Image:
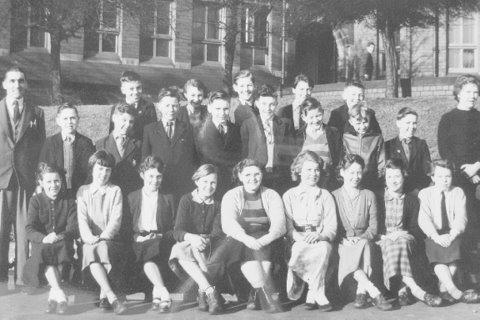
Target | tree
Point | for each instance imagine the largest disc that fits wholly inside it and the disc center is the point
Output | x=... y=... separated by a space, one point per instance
x=387 y=16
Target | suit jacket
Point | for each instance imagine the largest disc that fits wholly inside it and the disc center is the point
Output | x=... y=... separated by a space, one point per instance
x=83 y=148
x=19 y=158
x=224 y=152
x=178 y=155
x=287 y=112
x=125 y=174
x=417 y=167
x=283 y=136
x=339 y=120
x=145 y=113
x=367 y=65
x=165 y=214
x=240 y=112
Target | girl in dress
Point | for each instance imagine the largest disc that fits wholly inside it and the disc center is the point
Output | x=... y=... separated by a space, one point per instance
x=197 y=230
x=357 y=210
x=99 y=206
x=51 y=227
x=311 y=226
x=400 y=211
x=252 y=217
x=152 y=214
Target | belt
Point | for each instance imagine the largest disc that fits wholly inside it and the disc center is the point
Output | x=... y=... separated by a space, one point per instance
x=307 y=228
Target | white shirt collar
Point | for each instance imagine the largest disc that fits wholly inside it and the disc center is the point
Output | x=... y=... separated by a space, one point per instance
x=70 y=135
x=196 y=198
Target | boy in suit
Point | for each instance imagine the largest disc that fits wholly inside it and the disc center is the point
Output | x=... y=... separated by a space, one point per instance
x=219 y=140
x=302 y=89
x=69 y=149
x=22 y=128
x=143 y=110
x=353 y=94
x=171 y=140
x=194 y=111
x=125 y=149
x=277 y=136
x=243 y=107
x=412 y=151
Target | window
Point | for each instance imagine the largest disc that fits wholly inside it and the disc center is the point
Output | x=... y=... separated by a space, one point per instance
x=255 y=33
x=206 y=33
x=102 y=35
x=25 y=33
x=462 y=47
x=156 y=30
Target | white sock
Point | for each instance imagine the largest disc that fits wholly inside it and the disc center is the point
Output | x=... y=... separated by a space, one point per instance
x=209 y=290
x=162 y=293
x=111 y=296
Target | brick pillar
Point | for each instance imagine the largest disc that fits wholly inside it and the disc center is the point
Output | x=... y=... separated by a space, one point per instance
x=5 y=28
x=183 y=34
x=129 y=40
x=72 y=49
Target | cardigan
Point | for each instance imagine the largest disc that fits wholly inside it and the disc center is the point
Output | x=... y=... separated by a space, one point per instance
x=46 y=215
x=232 y=206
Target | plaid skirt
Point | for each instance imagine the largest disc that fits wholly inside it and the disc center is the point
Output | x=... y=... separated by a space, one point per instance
x=396 y=258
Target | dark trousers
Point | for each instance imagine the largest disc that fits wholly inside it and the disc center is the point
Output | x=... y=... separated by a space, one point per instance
x=13 y=212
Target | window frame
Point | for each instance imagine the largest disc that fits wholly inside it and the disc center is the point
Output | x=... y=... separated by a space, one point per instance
x=458 y=44
x=249 y=34
x=102 y=30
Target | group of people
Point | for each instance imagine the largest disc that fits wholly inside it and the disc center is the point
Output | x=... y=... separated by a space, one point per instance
x=239 y=190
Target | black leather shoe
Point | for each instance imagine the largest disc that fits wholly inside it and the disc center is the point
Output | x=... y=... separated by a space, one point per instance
x=118 y=307
x=325 y=307
x=202 y=301
x=447 y=297
x=432 y=300
x=404 y=299
x=62 y=307
x=155 y=305
x=267 y=302
x=470 y=296
x=381 y=303
x=164 y=306
x=51 y=306
x=311 y=305
x=104 y=304
x=360 y=301
x=215 y=302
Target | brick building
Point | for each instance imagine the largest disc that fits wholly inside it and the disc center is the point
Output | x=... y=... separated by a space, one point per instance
x=178 y=38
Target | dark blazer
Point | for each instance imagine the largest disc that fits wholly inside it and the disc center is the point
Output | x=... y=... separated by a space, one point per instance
x=284 y=150
x=83 y=148
x=224 y=152
x=287 y=112
x=145 y=113
x=165 y=213
x=411 y=206
x=367 y=65
x=339 y=120
x=178 y=155
x=125 y=174
x=419 y=165
x=335 y=143
x=20 y=158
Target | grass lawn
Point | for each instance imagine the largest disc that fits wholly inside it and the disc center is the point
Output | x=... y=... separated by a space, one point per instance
x=94 y=118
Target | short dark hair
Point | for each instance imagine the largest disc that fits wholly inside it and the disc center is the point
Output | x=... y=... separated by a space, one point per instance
x=242 y=165
x=360 y=111
x=297 y=164
x=102 y=158
x=302 y=77
x=266 y=91
x=173 y=92
x=350 y=159
x=44 y=168
x=405 y=111
x=243 y=74
x=397 y=164
x=122 y=108
x=151 y=162
x=461 y=81
x=370 y=43
x=311 y=104
x=204 y=170
x=129 y=76
x=15 y=69
x=442 y=163
x=218 y=95
x=196 y=84
x=354 y=84
x=65 y=106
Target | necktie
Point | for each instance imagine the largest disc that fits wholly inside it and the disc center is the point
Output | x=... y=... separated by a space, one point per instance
x=268 y=132
x=443 y=209
x=170 y=130
x=16 y=112
x=121 y=144
x=406 y=148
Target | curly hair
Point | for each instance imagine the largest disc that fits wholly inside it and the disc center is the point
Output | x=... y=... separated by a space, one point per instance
x=300 y=159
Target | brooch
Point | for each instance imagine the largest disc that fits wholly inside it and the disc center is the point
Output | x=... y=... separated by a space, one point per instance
x=33 y=123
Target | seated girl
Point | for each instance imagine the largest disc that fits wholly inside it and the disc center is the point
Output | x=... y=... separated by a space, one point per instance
x=442 y=217
x=311 y=226
x=252 y=217
x=197 y=230
x=51 y=227
x=152 y=214
x=99 y=206
x=399 y=223
x=357 y=209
